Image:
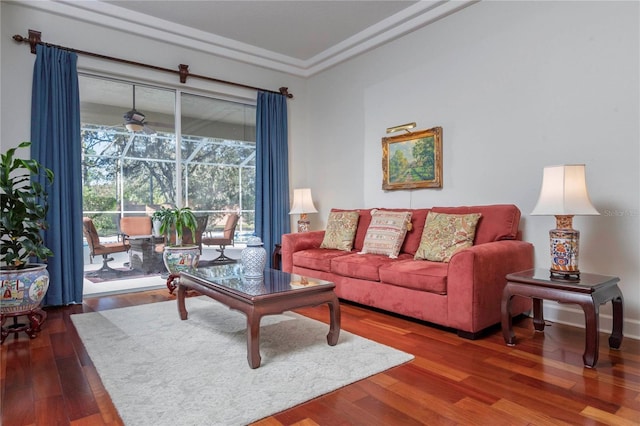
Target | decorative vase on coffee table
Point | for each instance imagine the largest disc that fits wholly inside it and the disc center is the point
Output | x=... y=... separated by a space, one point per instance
x=254 y=258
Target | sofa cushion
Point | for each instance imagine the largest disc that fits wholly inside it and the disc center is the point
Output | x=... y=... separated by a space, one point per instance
x=414 y=232
x=362 y=266
x=416 y=274
x=444 y=234
x=386 y=232
x=363 y=224
x=498 y=222
x=341 y=230
x=316 y=258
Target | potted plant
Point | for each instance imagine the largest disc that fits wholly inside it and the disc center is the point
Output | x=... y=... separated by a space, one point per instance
x=177 y=256
x=24 y=210
x=156 y=220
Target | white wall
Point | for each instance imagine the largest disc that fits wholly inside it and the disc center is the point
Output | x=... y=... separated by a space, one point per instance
x=516 y=86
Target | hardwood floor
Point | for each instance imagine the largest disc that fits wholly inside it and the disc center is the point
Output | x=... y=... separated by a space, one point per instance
x=50 y=380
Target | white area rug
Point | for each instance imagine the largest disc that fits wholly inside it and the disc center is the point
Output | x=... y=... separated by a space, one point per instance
x=160 y=370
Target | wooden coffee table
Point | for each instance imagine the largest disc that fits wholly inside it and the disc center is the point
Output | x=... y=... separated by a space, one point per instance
x=275 y=293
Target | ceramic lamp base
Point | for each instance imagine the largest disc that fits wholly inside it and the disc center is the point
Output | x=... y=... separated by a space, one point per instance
x=303 y=223
x=564 y=245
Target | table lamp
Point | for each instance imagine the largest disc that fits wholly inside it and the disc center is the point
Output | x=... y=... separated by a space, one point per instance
x=303 y=204
x=563 y=195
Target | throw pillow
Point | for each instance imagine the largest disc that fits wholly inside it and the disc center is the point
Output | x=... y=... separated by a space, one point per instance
x=444 y=234
x=341 y=230
x=386 y=232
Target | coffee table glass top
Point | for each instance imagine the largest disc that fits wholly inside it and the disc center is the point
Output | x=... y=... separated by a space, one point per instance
x=231 y=276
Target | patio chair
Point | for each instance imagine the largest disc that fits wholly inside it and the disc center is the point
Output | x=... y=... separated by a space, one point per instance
x=135 y=225
x=226 y=239
x=96 y=248
x=201 y=221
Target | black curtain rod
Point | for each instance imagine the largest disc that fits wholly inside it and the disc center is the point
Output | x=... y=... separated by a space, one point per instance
x=183 y=70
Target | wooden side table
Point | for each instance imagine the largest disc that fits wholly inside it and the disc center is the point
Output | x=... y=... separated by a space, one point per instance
x=276 y=257
x=590 y=291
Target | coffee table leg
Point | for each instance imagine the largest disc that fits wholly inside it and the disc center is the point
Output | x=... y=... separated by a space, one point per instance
x=334 y=327
x=182 y=310
x=253 y=340
x=538 y=317
x=615 y=340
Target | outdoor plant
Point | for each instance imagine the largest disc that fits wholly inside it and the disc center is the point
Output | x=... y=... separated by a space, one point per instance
x=160 y=214
x=178 y=219
x=24 y=210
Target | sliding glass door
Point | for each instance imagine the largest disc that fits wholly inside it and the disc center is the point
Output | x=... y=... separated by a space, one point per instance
x=202 y=157
x=218 y=157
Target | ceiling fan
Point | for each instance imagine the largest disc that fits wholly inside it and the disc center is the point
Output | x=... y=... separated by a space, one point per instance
x=134 y=119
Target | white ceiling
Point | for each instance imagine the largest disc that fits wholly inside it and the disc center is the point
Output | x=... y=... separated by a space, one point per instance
x=300 y=37
x=298 y=29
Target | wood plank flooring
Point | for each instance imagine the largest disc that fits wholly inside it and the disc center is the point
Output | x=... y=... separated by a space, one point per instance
x=50 y=380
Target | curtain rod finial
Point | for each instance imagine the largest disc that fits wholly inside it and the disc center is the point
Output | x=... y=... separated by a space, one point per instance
x=285 y=92
x=33 y=39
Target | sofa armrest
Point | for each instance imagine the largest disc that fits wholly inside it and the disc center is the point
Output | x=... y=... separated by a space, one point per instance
x=292 y=243
x=476 y=279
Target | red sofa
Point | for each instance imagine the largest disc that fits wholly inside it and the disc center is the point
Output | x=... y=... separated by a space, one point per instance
x=463 y=294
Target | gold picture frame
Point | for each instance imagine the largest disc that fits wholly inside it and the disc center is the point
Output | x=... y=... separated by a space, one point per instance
x=412 y=160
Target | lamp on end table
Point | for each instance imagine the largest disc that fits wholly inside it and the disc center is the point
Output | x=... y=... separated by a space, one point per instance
x=303 y=204
x=564 y=195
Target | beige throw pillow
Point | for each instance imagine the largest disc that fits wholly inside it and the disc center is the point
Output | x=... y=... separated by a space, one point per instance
x=444 y=234
x=341 y=230
x=386 y=232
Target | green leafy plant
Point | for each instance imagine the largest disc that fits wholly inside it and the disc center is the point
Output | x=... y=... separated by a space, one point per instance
x=160 y=214
x=178 y=219
x=24 y=210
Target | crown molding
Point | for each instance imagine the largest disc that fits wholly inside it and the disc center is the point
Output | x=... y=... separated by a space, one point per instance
x=396 y=26
x=114 y=17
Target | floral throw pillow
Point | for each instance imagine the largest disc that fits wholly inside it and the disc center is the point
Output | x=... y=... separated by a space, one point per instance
x=444 y=234
x=386 y=232
x=341 y=230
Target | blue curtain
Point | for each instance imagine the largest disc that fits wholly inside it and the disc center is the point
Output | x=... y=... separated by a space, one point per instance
x=272 y=170
x=56 y=143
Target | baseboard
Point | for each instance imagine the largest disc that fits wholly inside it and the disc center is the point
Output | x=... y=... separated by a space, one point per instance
x=574 y=316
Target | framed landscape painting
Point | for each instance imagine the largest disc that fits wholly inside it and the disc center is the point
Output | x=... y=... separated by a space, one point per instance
x=413 y=160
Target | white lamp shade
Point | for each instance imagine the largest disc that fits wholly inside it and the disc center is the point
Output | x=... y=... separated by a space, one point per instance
x=302 y=202
x=564 y=192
